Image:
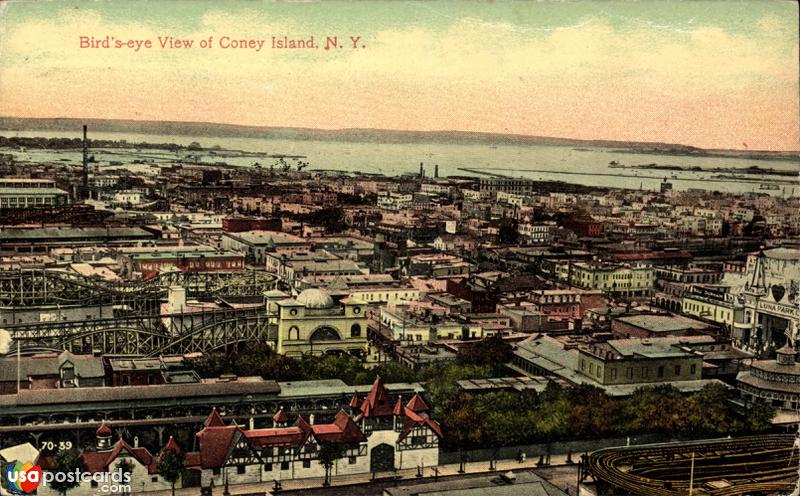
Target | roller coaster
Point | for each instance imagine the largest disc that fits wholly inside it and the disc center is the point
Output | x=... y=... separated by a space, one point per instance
x=747 y=465
x=138 y=327
x=45 y=287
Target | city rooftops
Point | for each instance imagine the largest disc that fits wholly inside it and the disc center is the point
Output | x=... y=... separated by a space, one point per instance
x=664 y=323
x=170 y=255
x=783 y=253
x=64 y=233
x=4 y=191
x=258 y=238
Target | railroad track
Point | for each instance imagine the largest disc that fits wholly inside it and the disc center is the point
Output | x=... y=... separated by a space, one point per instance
x=721 y=468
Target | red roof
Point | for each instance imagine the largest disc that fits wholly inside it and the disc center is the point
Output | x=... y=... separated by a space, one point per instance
x=398 y=407
x=288 y=436
x=99 y=461
x=415 y=420
x=378 y=401
x=215 y=443
x=342 y=430
x=104 y=430
x=417 y=404
x=214 y=420
x=280 y=416
x=172 y=446
x=355 y=401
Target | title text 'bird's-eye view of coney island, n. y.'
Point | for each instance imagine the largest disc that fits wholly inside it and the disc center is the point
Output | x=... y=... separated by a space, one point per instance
x=376 y=248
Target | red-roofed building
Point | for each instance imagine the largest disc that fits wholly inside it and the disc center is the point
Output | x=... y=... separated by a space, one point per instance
x=379 y=434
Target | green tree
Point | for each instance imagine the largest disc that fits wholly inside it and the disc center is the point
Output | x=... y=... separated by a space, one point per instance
x=65 y=462
x=490 y=352
x=171 y=467
x=758 y=418
x=389 y=371
x=327 y=454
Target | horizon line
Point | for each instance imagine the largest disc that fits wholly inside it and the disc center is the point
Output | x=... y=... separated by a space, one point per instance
x=389 y=130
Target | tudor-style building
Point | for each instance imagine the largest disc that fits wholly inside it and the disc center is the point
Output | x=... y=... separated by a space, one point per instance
x=314 y=323
x=379 y=434
x=108 y=458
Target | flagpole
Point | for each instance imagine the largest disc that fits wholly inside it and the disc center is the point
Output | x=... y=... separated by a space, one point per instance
x=18 y=367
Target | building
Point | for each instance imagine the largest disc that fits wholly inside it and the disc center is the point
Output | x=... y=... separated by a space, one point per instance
x=40 y=240
x=380 y=433
x=618 y=367
x=710 y=303
x=640 y=361
x=650 y=326
x=51 y=371
x=20 y=193
x=110 y=461
x=517 y=186
x=255 y=244
x=774 y=382
x=614 y=279
x=768 y=301
x=316 y=324
x=198 y=260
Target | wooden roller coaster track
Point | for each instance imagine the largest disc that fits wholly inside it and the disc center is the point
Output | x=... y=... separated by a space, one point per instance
x=747 y=465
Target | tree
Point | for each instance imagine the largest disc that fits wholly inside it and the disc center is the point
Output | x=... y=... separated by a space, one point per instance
x=171 y=467
x=66 y=462
x=489 y=352
x=327 y=455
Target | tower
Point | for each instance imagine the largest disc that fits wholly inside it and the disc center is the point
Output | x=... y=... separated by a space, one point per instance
x=436 y=171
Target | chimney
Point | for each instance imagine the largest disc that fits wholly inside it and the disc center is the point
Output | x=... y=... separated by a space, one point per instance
x=85 y=162
x=252 y=424
x=436 y=170
x=421 y=171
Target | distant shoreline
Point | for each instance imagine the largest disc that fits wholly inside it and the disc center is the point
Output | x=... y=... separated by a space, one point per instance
x=371 y=136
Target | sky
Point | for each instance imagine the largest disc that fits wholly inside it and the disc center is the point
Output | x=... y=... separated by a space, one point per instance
x=713 y=74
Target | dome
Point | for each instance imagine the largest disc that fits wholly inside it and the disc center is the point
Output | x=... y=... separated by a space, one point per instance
x=315 y=298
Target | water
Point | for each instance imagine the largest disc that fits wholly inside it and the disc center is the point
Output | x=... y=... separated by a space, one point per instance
x=529 y=161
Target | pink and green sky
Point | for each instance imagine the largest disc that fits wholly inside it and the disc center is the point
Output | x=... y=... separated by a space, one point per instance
x=714 y=74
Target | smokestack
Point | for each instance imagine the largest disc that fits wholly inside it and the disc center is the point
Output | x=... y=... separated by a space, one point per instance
x=436 y=171
x=421 y=171
x=85 y=161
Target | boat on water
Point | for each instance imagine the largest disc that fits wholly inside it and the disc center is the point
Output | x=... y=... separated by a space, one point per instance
x=769 y=186
x=615 y=164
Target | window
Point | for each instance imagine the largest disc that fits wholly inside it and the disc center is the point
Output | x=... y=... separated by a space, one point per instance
x=693 y=369
x=355 y=331
x=217 y=471
x=126 y=380
x=677 y=370
x=306 y=463
x=267 y=467
x=284 y=465
x=613 y=374
x=154 y=478
x=661 y=372
x=351 y=460
x=629 y=372
x=417 y=440
x=240 y=469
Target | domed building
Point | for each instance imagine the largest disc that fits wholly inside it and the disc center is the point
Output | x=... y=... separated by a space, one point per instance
x=315 y=323
x=775 y=382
